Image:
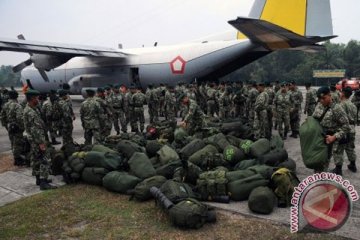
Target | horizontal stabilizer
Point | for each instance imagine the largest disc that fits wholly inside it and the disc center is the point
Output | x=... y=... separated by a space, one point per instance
x=273 y=37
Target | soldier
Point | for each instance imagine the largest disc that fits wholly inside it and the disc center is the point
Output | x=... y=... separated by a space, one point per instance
x=356 y=101
x=252 y=95
x=106 y=114
x=261 y=124
x=51 y=113
x=310 y=102
x=153 y=103
x=335 y=96
x=67 y=117
x=170 y=104
x=348 y=147
x=91 y=116
x=282 y=106
x=211 y=100
x=161 y=96
x=35 y=130
x=194 y=119
x=271 y=93
x=11 y=119
x=116 y=103
x=335 y=124
x=138 y=100
x=4 y=97
x=224 y=102
x=296 y=99
x=127 y=96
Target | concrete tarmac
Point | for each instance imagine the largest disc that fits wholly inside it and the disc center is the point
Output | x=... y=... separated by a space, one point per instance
x=15 y=185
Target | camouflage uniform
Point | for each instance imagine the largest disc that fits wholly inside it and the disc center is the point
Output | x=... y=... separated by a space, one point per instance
x=224 y=104
x=211 y=101
x=51 y=112
x=310 y=102
x=91 y=116
x=106 y=115
x=170 y=106
x=296 y=99
x=66 y=121
x=118 y=111
x=335 y=96
x=282 y=104
x=137 y=101
x=253 y=93
x=334 y=123
x=261 y=121
x=128 y=109
x=194 y=118
x=349 y=147
x=356 y=101
x=12 y=118
x=153 y=104
x=271 y=108
x=36 y=130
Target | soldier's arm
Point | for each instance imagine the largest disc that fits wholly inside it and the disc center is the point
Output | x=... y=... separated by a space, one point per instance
x=19 y=116
x=3 y=118
x=342 y=121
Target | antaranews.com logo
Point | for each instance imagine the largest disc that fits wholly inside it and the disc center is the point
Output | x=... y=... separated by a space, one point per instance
x=323 y=202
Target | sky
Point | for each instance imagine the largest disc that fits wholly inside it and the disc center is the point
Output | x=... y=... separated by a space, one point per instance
x=135 y=23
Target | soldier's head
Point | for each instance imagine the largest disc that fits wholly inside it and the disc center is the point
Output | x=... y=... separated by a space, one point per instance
x=32 y=97
x=100 y=92
x=123 y=88
x=261 y=86
x=307 y=85
x=283 y=87
x=90 y=92
x=346 y=92
x=13 y=94
x=116 y=89
x=63 y=93
x=292 y=85
x=183 y=99
x=254 y=84
x=324 y=96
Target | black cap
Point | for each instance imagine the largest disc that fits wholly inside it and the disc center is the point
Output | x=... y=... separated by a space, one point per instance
x=62 y=92
x=292 y=82
x=100 y=90
x=66 y=86
x=32 y=92
x=13 y=94
x=347 y=91
x=324 y=90
x=307 y=84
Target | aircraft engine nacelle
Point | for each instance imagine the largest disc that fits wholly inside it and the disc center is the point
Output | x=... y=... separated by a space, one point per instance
x=48 y=62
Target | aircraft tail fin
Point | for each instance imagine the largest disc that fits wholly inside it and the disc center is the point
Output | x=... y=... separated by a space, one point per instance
x=307 y=18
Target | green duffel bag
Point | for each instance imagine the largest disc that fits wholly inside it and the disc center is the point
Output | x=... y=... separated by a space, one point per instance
x=245 y=164
x=127 y=148
x=212 y=160
x=110 y=161
x=120 y=182
x=189 y=213
x=239 y=174
x=233 y=140
x=240 y=189
x=75 y=176
x=289 y=164
x=142 y=189
x=168 y=170
x=180 y=135
x=219 y=140
x=314 y=150
x=198 y=157
x=76 y=164
x=276 y=142
x=260 y=147
x=102 y=148
x=152 y=147
x=274 y=157
x=189 y=174
x=212 y=184
x=70 y=148
x=140 y=166
x=264 y=170
x=262 y=200
x=190 y=148
x=233 y=155
x=245 y=146
x=166 y=154
x=94 y=176
x=284 y=181
x=177 y=191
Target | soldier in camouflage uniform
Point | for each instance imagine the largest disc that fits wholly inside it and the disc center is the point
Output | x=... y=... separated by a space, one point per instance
x=349 y=147
x=296 y=99
x=4 y=97
x=311 y=101
x=153 y=103
x=127 y=96
x=170 y=104
x=261 y=121
x=211 y=101
x=335 y=125
x=161 y=96
x=35 y=130
x=271 y=93
x=194 y=119
x=282 y=106
x=239 y=99
x=356 y=101
x=11 y=119
x=138 y=100
x=106 y=114
x=224 y=102
x=51 y=112
x=117 y=105
x=67 y=117
x=335 y=95
x=252 y=95
x=91 y=115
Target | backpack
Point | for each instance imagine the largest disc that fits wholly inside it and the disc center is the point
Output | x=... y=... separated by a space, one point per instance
x=140 y=166
x=120 y=182
x=284 y=181
x=212 y=184
x=94 y=176
x=262 y=200
x=142 y=189
x=177 y=191
x=240 y=189
x=314 y=150
x=190 y=213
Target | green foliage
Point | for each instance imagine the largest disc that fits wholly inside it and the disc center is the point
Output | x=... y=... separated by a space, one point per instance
x=288 y=65
x=8 y=77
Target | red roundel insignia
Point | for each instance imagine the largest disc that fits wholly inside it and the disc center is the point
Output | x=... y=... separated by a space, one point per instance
x=178 y=65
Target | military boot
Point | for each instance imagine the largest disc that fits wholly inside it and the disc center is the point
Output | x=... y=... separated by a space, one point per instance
x=352 y=167
x=44 y=185
x=38 y=181
x=54 y=142
x=19 y=161
x=337 y=170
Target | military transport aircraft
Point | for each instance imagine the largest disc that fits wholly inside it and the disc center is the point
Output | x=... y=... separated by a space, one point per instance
x=271 y=25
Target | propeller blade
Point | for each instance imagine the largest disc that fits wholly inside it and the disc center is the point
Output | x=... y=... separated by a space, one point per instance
x=43 y=75
x=22 y=65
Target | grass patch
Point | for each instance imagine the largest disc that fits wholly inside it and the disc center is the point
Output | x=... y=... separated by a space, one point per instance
x=88 y=212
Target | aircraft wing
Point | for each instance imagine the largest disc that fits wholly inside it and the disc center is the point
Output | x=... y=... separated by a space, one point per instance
x=57 y=49
x=273 y=37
